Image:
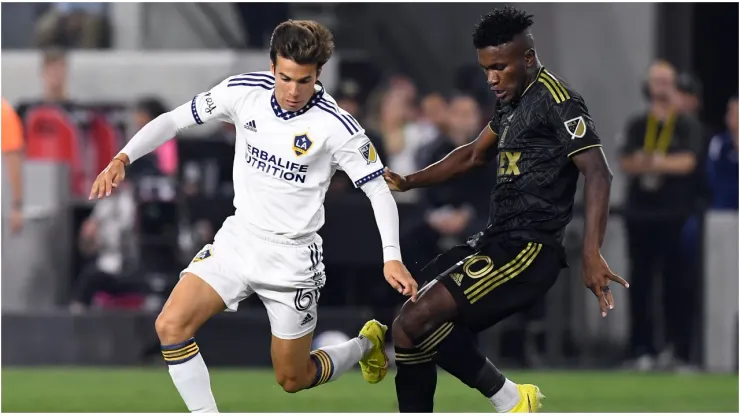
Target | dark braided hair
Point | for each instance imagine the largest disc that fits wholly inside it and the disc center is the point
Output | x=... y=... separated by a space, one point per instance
x=500 y=26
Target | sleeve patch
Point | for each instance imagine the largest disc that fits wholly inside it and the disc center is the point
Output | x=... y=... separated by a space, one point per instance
x=369 y=153
x=576 y=127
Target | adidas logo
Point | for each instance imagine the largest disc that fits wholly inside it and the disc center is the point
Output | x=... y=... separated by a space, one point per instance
x=307 y=319
x=457 y=278
x=251 y=126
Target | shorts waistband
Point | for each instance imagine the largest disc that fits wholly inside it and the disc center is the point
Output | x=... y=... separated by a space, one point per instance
x=277 y=239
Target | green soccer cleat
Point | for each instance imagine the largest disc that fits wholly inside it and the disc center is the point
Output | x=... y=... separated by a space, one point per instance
x=375 y=364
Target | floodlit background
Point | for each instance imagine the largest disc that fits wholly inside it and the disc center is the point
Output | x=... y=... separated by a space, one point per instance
x=83 y=283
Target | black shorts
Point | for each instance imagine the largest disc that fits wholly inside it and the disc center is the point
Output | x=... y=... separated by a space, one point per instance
x=497 y=280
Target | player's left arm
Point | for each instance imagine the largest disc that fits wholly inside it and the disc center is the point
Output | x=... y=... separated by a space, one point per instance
x=359 y=159
x=576 y=131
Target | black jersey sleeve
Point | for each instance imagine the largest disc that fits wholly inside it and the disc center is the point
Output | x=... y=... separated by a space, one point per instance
x=573 y=126
x=494 y=124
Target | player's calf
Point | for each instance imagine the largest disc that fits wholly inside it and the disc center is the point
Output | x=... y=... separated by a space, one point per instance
x=298 y=368
x=416 y=374
x=429 y=326
x=191 y=303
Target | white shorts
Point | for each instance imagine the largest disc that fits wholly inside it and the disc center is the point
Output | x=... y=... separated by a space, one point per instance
x=286 y=274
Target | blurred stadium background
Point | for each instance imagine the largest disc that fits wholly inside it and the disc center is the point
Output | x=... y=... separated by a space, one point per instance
x=82 y=284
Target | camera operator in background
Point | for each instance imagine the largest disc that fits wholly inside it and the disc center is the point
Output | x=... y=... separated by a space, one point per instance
x=660 y=155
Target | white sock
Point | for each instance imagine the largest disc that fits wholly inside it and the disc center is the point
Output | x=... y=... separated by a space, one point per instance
x=334 y=360
x=191 y=377
x=507 y=398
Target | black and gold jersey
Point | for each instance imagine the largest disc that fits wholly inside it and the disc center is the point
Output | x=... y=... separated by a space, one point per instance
x=536 y=182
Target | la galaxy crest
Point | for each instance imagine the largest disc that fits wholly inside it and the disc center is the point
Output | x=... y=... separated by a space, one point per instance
x=369 y=153
x=301 y=144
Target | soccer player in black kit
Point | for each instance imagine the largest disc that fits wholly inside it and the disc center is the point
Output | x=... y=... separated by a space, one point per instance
x=541 y=138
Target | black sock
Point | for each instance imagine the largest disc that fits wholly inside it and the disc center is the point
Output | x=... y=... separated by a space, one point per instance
x=457 y=354
x=416 y=380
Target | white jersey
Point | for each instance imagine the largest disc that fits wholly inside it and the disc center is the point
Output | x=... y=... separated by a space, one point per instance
x=284 y=160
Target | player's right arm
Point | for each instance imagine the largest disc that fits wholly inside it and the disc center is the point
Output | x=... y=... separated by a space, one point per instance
x=216 y=104
x=459 y=161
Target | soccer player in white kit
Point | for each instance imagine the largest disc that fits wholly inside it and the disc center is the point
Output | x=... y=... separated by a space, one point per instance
x=291 y=138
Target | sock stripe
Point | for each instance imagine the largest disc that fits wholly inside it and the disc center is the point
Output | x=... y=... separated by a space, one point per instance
x=329 y=369
x=319 y=369
x=403 y=357
x=180 y=353
x=414 y=362
x=324 y=367
x=434 y=340
x=415 y=359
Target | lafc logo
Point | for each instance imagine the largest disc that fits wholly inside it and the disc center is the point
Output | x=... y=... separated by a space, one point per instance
x=576 y=127
x=301 y=144
x=369 y=153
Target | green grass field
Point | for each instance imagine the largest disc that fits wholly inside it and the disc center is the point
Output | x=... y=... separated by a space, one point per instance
x=151 y=390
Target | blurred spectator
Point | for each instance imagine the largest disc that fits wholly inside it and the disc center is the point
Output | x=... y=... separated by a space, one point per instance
x=74 y=25
x=722 y=165
x=54 y=76
x=659 y=156
x=456 y=209
x=468 y=81
x=12 y=147
x=688 y=97
x=403 y=133
x=434 y=112
x=688 y=103
x=165 y=156
x=108 y=237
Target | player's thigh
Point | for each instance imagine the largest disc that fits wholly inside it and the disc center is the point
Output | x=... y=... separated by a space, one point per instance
x=288 y=283
x=435 y=305
x=191 y=303
x=210 y=284
x=500 y=281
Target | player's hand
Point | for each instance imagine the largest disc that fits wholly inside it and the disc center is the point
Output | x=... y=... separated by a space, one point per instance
x=597 y=276
x=395 y=181
x=109 y=178
x=400 y=279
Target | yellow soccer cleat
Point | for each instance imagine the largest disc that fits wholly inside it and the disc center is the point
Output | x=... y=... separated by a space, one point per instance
x=530 y=399
x=375 y=364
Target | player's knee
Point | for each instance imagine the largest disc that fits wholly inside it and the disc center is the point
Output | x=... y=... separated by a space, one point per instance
x=170 y=329
x=410 y=325
x=400 y=338
x=290 y=383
